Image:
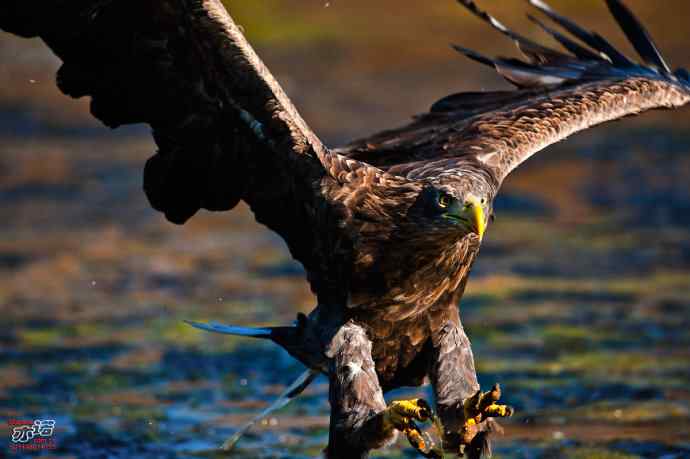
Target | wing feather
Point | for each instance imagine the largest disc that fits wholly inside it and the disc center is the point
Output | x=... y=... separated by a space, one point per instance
x=638 y=35
x=578 y=50
x=224 y=128
x=535 y=51
x=497 y=131
x=592 y=39
x=185 y=68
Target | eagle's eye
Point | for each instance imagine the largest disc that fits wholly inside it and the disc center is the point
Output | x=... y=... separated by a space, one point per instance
x=443 y=201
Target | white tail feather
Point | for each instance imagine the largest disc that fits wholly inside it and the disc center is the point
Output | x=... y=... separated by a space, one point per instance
x=231 y=329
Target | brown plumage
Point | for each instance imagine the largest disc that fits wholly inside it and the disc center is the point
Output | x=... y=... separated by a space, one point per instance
x=388 y=227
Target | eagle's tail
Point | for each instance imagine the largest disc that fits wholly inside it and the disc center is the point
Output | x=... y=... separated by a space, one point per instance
x=291 y=339
x=288 y=337
x=297 y=339
x=215 y=327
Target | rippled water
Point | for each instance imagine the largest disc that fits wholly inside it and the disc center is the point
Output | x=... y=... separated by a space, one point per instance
x=579 y=305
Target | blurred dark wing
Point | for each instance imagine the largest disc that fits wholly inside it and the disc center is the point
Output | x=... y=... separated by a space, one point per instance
x=558 y=94
x=225 y=129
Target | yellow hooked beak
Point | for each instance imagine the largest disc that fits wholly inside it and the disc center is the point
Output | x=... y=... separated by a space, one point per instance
x=470 y=213
x=475 y=213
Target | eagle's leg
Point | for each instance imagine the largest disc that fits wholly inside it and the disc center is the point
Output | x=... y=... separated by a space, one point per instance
x=360 y=419
x=464 y=410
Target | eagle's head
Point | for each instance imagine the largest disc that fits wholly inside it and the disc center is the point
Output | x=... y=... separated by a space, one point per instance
x=457 y=211
x=419 y=237
x=454 y=207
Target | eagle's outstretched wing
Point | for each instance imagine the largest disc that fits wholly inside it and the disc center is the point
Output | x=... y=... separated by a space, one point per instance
x=225 y=129
x=558 y=94
x=222 y=123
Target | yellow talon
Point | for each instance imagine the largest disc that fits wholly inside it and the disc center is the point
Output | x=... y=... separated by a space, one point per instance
x=499 y=411
x=483 y=405
x=400 y=414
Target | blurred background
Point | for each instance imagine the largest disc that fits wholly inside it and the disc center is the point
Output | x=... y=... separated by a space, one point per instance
x=579 y=304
